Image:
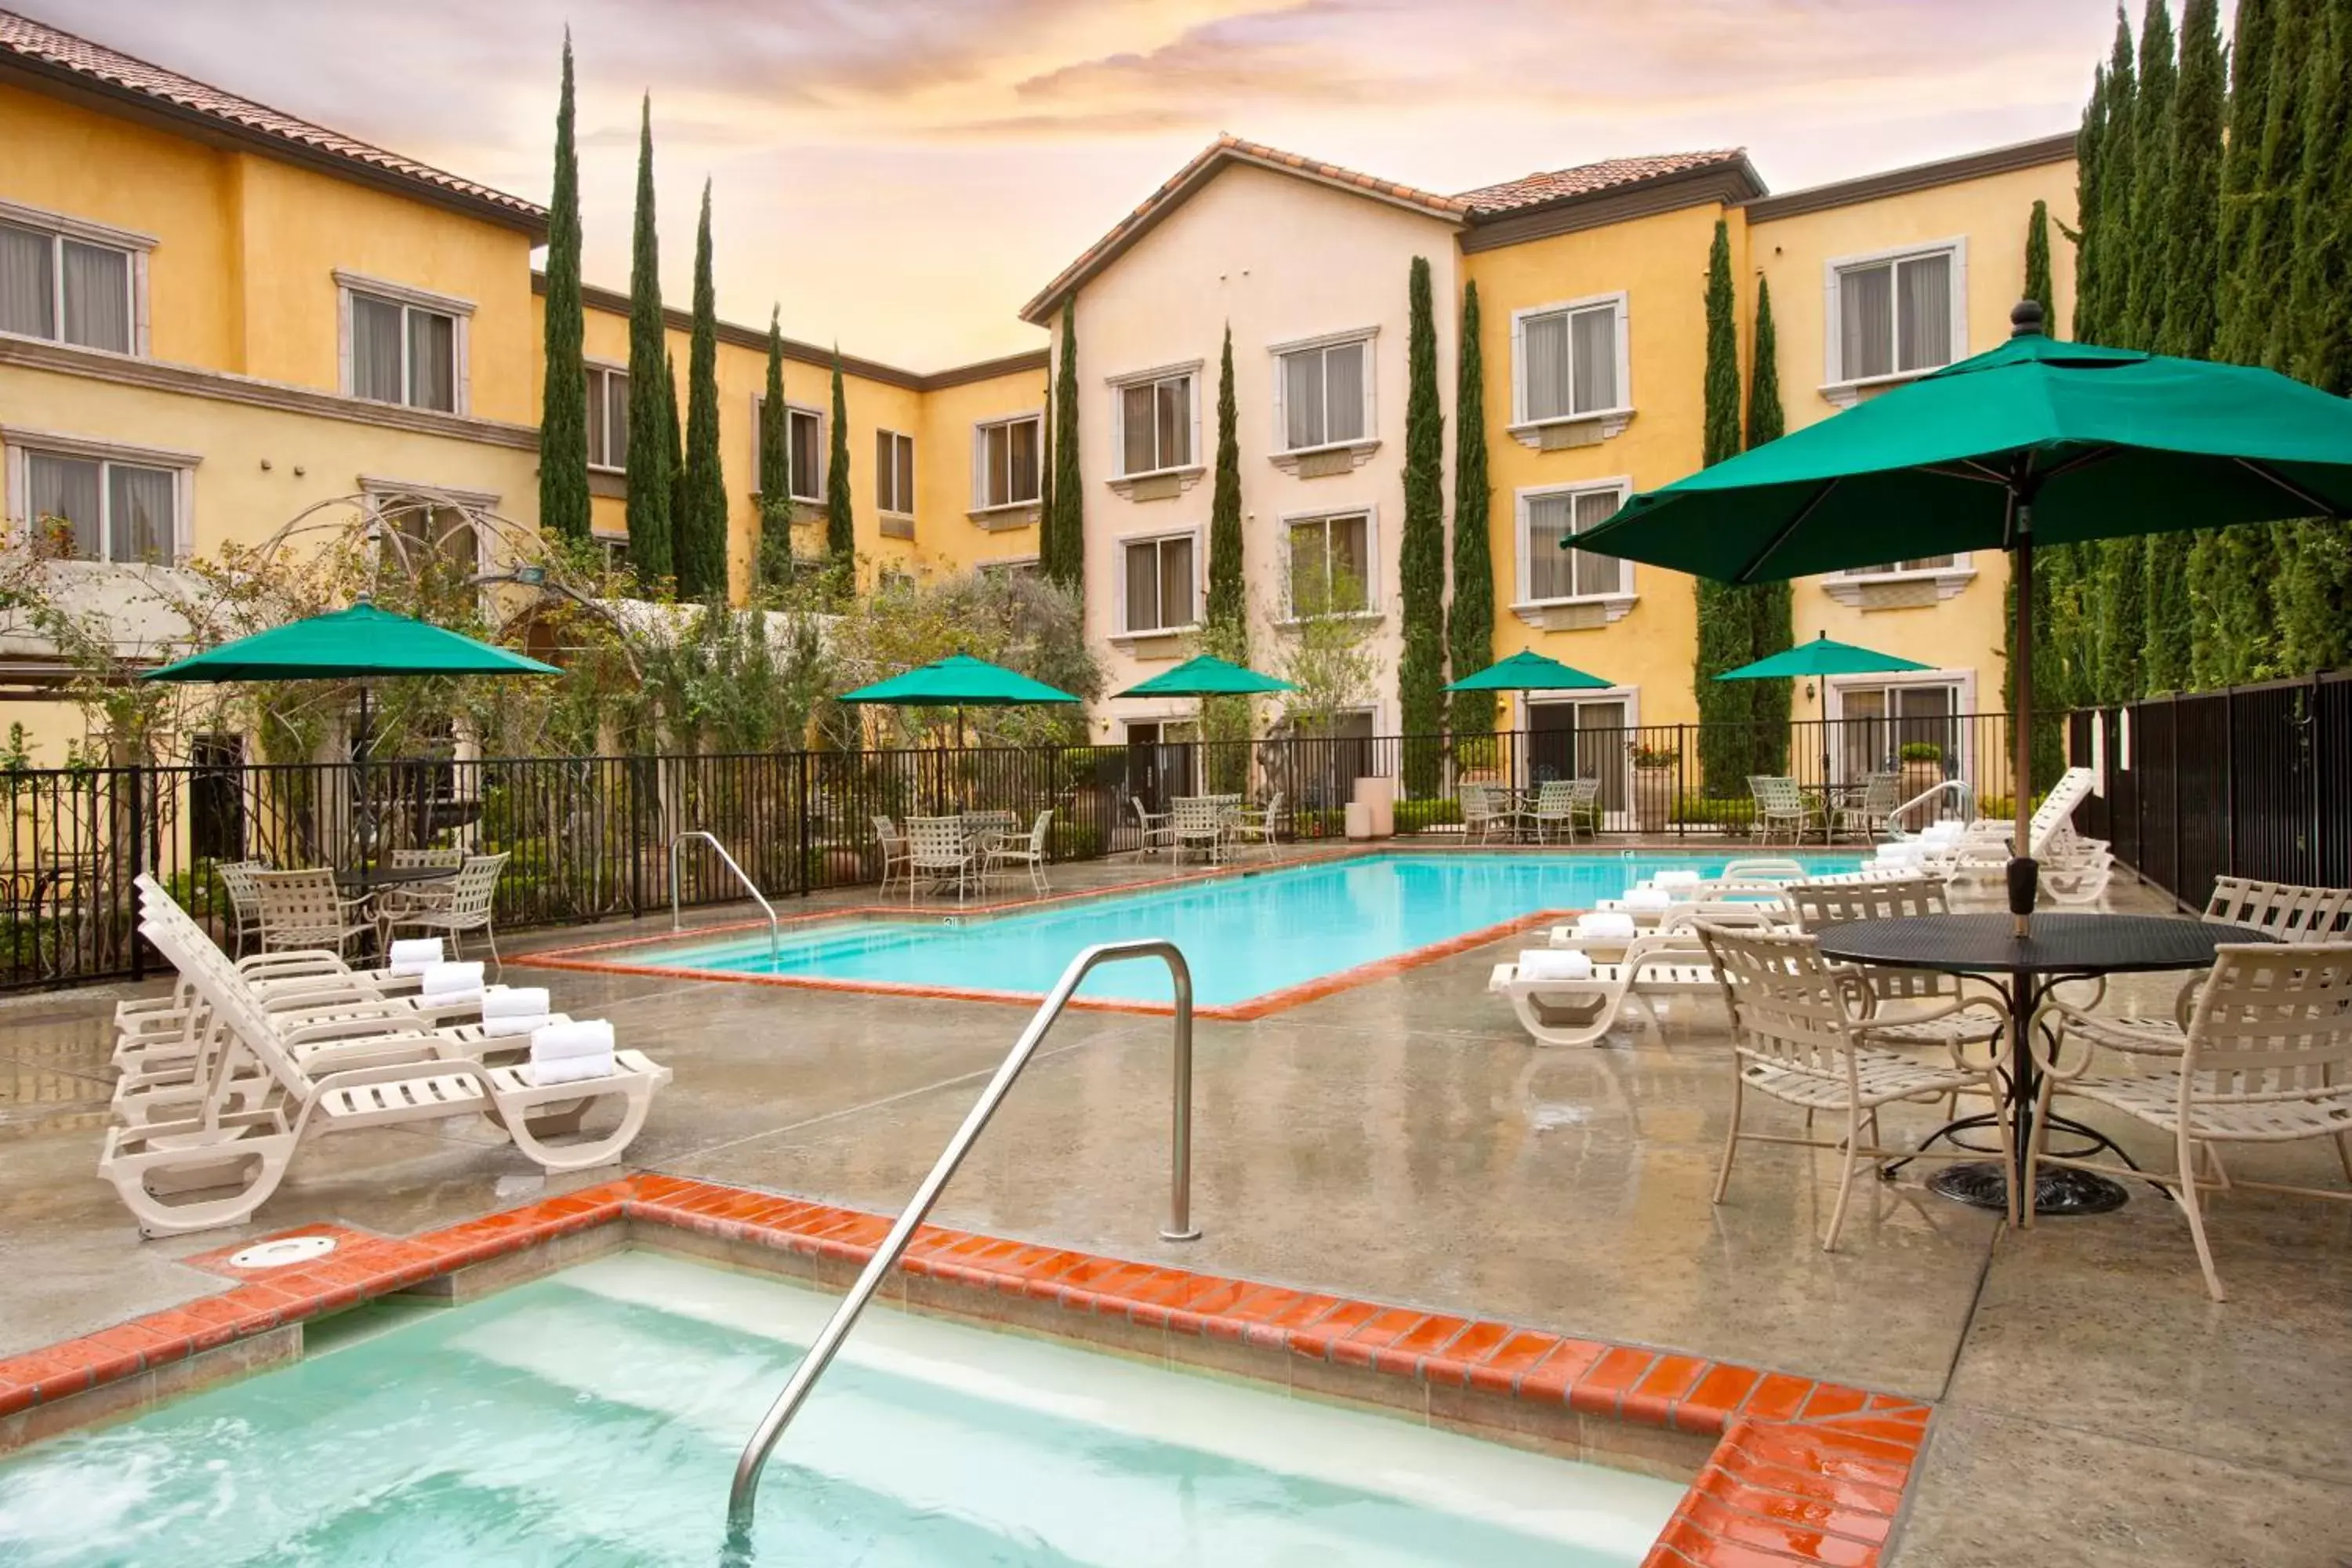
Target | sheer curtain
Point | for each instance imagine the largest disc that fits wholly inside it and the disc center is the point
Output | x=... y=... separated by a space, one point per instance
x=1142 y=587
x=1596 y=574
x=1551 y=572
x=1175 y=582
x=375 y=349
x=1352 y=568
x=1135 y=422
x=1545 y=339
x=138 y=513
x=1175 y=422
x=432 y=361
x=64 y=489
x=1924 y=314
x=1302 y=400
x=98 y=297
x=1343 y=393
x=27 y=286
x=1596 y=359
x=1865 y=323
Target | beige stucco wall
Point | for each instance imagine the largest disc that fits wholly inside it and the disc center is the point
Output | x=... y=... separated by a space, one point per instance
x=1279 y=258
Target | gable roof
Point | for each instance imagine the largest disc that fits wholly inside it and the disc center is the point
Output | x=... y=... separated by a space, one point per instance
x=1508 y=199
x=1203 y=167
x=69 y=66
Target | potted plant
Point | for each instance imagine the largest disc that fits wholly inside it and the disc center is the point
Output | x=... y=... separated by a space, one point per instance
x=1922 y=767
x=1654 y=786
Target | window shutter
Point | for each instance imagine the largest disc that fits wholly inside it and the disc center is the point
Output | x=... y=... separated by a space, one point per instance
x=1519 y=554
x=1519 y=371
x=1193 y=455
x=1832 y=360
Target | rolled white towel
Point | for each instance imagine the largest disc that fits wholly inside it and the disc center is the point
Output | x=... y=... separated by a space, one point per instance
x=1944 y=831
x=1905 y=853
x=1600 y=925
x=443 y=978
x=515 y=1002
x=570 y=1069
x=1553 y=964
x=416 y=954
x=583 y=1037
x=513 y=1024
x=1649 y=900
x=1679 y=878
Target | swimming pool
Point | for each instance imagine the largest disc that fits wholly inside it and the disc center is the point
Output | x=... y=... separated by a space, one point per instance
x=1245 y=937
x=594 y=1418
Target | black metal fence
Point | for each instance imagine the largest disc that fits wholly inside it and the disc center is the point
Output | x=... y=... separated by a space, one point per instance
x=590 y=837
x=2256 y=781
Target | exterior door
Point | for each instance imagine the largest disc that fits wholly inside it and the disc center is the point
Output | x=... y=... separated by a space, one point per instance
x=1582 y=740
x=1878 y=722
x=1160 y=761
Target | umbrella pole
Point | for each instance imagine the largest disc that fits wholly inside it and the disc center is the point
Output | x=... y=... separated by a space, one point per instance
x=359 y=755
x=2023 y=874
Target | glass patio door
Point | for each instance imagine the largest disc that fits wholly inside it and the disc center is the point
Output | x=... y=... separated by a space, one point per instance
x=1581 y=740
x=1878 y=722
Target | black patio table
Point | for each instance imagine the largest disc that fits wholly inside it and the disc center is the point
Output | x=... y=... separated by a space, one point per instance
x=2061 y=947
x=368 y=878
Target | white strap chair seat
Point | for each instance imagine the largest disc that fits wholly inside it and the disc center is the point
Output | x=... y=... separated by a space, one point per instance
x=1879 y=1078
x=2155 y=1098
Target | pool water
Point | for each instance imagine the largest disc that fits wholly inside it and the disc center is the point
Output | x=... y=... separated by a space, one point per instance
x=595 y=1417
x=1243 y=936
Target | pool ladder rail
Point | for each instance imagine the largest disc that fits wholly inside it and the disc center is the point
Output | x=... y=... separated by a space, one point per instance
x=742 y=1499
x=775 y=931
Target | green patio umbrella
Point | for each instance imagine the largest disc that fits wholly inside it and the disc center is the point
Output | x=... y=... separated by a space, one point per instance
x=2036 y=442
x=1207 y=676
x=1527 y=670
x=1822 y=657
x=958 y=680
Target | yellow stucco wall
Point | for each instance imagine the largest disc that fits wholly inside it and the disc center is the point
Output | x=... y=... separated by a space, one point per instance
x=1660 y=264
x=943 y=469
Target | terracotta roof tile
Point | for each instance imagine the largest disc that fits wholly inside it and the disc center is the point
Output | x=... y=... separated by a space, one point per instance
x=39 y=45
x=1534 y=190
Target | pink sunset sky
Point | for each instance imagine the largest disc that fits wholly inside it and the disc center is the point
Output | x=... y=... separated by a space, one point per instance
x=900 y=174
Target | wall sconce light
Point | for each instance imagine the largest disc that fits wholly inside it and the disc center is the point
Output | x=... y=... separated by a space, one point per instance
x=1809 y=692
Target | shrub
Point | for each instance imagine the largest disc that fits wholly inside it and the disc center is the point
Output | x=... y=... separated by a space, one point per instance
x=1421 y=815
x=1920 y=752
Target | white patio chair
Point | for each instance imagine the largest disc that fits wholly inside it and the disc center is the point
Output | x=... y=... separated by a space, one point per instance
x=303 y=910
x=1198 y=822
x=448 y=861
x=466 y=902
x=1029 y=852
x=894 y=848
x=2266 y=1058
x=1566 y=803
x=1863 y=818
x=243 y=919
x=1781 y=807
x=1157 y=829
x=1259 y=825
x=1896 y=1006
x=938 y=851
x=1797 y=1040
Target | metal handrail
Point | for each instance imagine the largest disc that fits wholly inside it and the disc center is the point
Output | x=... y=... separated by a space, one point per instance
x=775 y=931
x=1957 y=789
x=886 y=1257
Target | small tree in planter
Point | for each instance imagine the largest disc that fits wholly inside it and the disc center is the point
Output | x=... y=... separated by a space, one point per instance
x=1654 y=770
x=1922 y=766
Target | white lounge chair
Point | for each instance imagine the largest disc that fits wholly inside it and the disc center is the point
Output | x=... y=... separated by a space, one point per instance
x=1562 y=1002
x=1605 y=934
x=220 y=1160
x=2262 y=1060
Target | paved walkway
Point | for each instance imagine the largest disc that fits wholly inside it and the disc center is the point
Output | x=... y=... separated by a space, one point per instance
x=1401 y=1140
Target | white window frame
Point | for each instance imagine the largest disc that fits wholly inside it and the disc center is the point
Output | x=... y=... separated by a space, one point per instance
x=824 y=448
x=1199 y=568
x=1846 y=587
x=1845 y=390
x=62 y=227
x=1523 y=548
x=1371 y=514
x=1280 y=440
x=1529 y=429
x=377 y=488
x=597 y=367
x=461 y=314
x=17 y=444
x=907 y=506
x=1006 y=565
x=980 y=428
x=1118 y=388
x=1961 y=680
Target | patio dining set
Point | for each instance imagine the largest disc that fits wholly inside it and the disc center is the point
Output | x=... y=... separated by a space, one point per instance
x=1212 y=826
x=967 y=851
x=443 y=892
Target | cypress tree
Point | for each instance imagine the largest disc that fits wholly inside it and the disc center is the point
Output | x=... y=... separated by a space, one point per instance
x=2107 y=248
x=840 y=521
x=1062 y=546
x=1772 y=605
x=563 y=395
x=2315 y=586
x=1228 y=608
x=2038 y=287
x=650 y=444
x=673 y=442
x=2051 y=567
x=2151 y=216
x=773 y=563
x=2089 y=146
x=2116 y=597
x=1726 y=619
x=1421 y=548
x=702 y=543
x=1470 y=623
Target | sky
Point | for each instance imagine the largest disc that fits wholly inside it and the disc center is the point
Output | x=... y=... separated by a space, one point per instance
x=899 y=176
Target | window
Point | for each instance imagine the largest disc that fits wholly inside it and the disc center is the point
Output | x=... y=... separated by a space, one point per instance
x=1569 y=360
x=55 y=284
x=608 y=417
x=1895 y=314
x=1919 y=564
x=1331 y=564
x=1155 y=424
x=1324 y=395
x=804 y=432
x=890 y=580
x=894 y=472
x=403 y=354
x=1012 y=566
x=1875 y=722
x=424 y=536
x=1004 y=462
x=100 y=509
x=1159 y=584
x=1549 y=573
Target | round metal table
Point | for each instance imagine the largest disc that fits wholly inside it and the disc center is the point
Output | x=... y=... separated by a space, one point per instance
x=2060 y=947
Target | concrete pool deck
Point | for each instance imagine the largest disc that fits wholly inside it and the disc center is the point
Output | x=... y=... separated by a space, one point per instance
x=1399 y=1140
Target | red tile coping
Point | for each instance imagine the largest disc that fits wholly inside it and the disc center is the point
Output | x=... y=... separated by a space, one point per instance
x=1802 y=1471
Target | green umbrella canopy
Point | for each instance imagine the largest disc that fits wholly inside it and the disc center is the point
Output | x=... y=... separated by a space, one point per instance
x=1207 y=676
x=1527 y=670
x=958 y=680
x=358 y=644
x=2098 y=442
x=1821 y=657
